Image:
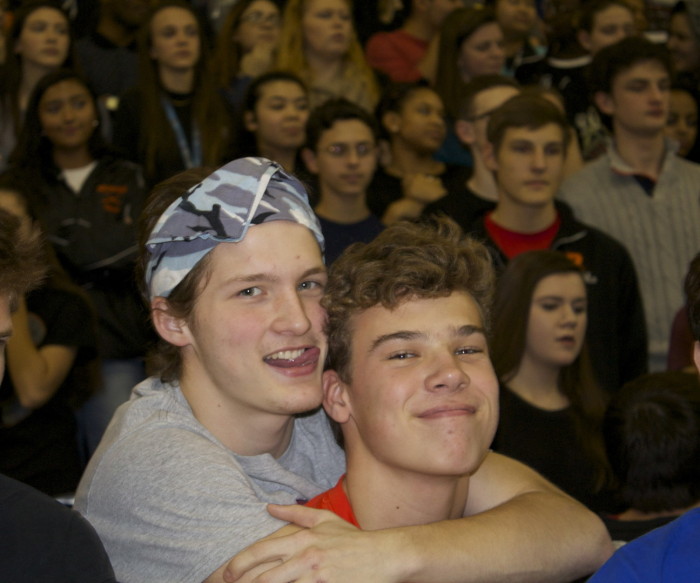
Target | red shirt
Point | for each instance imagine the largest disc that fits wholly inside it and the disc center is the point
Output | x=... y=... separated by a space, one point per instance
x=336 y=501
x=512 y=243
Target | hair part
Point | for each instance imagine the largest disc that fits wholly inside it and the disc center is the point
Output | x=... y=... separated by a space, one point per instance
x=422 y=260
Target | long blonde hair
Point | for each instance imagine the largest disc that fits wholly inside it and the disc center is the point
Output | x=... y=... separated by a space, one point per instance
x=291 y=55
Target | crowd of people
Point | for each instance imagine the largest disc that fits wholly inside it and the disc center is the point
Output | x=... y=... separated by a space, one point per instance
x=506 y=199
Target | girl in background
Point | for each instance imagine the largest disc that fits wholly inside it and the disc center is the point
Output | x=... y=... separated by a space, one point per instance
x=551 y=406
x=174 y=118
x=412 y=117
x=318 y=43
x=245 y=47
x=272 y=121
x=471 y=44
x=88 y=200
x=39 y=41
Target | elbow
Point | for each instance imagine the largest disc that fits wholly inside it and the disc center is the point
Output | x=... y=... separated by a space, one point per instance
x=32 y=398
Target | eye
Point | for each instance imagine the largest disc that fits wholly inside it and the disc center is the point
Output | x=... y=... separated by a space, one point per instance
x=249 y=292
x=311 y=285
x=401 y=355
x=468 y=350
x=549 y=306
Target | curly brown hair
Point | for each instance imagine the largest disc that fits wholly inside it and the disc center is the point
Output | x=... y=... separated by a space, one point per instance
x=427 y=259
x=22 y=264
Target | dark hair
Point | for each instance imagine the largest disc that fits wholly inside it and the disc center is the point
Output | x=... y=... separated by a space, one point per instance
x=612 y=60
x=393 y=99
x=590 y=10
x=457 y=28
x=682 y=8
x=11 y=76
x=34 y=150
x=246 y=142
x=208 y=110
x=165 y=359
x=692 y=292
x=525 y=111
x=479 y=84
x=652 y=435
x=511 y=309
x=324 y=116
x=227 y=60
x=429 y=259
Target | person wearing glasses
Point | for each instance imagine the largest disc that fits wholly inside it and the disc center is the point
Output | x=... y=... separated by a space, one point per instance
x=341 y=151
x=246 y=45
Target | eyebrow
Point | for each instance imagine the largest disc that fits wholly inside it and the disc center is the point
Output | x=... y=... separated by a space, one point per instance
x=461 y=331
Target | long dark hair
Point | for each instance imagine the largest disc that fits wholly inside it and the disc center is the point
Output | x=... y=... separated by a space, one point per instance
x=576 y=382
x=34 y=150
x=208 y=109
x=11 y=76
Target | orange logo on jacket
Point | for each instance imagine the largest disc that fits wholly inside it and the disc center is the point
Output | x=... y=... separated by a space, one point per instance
x=112 y=197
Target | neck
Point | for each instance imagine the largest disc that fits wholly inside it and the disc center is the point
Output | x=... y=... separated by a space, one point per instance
x=384 y=497
x=342 y=209
x=419 y=26
x=115 y=32
x=406 y=160
x=243 y=430
x=73 y=158
x=538 y=385
x=177 y=80
x=481 y=182
x=285 y=157
x=644 y=153
x=521 y=218
x=325 y=71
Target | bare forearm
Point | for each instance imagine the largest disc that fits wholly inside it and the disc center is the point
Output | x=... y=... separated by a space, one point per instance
x=535 y=537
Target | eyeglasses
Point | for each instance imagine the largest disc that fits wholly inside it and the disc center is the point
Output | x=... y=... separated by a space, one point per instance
x=341 y=150
x=259 y=18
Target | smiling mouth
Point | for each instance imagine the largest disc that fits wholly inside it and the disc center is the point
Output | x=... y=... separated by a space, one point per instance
x=299 y=357
x=447 y=411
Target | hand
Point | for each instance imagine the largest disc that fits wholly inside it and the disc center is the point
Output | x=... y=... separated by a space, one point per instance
x=423 y=188
x=327 y=549
x=258 y=60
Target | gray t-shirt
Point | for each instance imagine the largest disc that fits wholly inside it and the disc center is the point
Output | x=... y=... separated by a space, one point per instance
x=172 y=503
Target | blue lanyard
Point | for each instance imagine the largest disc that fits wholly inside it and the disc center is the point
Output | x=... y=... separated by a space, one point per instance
x=192 y=157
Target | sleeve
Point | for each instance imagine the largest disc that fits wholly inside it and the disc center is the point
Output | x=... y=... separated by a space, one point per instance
x=170 y=507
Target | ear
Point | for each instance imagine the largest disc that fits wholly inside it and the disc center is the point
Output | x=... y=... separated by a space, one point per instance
x=465 y=132
x=489 y=155
x=696 y=355
x=335 y=397
x=170 y=328
x=604 y=102
x=249 y=121
x=584 y=39
x=309 y=158
x=391 y=121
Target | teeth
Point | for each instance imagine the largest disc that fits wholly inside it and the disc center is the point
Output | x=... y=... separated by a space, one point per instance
x=286 y=355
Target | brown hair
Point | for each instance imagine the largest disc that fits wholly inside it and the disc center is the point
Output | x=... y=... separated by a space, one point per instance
x=457 y=28
x=408 y=260
x=21 y=259
x=511 y=307
x=525 y=111
x=208 y=108
x=165 y=359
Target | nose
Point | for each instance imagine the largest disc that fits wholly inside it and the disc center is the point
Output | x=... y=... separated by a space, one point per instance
x=291 y=317
x=353 y=157
x=538 y=160
x=68 y=113
x=447 y=375
x=569 y=317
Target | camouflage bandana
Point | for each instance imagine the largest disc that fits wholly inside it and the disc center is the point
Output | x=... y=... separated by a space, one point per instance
x=220 y=209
